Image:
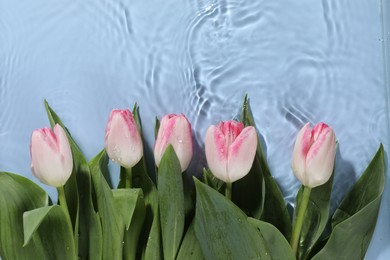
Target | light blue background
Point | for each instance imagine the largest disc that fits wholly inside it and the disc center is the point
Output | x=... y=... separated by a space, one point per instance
x=299 y=61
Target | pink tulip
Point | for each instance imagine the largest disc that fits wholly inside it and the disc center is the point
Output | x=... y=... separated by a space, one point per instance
x=175 y=130
x=51 y=156
x=230 y=150
x=314 y=154
x=123 y=141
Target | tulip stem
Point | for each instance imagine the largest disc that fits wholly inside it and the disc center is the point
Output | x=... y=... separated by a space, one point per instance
x=129 y=177
x=299 y=220
x=228 y=190
x=126 y=179
x=63 y=204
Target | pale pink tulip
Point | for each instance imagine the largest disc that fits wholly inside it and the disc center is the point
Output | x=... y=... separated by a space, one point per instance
x=230 y=150
x=51 y=156
x=175 y=130
x=123 y=141
x=314 y=154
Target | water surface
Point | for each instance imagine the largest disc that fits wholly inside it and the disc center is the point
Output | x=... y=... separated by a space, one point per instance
x=299 y=61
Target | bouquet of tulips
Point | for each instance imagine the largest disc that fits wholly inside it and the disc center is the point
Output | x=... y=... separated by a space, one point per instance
x=234 y=210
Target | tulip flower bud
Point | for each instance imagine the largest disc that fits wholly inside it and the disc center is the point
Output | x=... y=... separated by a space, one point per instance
x=314 y=154
x=230 y=150
x=51 y=156
x=123 y=141
x=175 y=130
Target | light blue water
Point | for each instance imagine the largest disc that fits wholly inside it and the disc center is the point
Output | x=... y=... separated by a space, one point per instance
x=299 y=61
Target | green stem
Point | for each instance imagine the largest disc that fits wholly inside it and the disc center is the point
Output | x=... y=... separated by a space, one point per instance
x=126 y=179
x=129 y=177
x=63 y=204
x=228 y=190
x=299 y=220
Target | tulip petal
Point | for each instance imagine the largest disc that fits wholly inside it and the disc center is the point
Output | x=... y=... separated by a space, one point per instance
x=302 y=145
x=216 y=152
x=64 y=150
x=241 y=154
x=181 y=141
x=123 y=141
x=321 y=156
x=164 y=134
x=174 y=130
x=51 y=157
x=230 y=129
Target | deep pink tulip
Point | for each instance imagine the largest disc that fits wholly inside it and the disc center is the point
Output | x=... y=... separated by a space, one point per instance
x=230 y=150
x=314 y=154
x=51 y=156
x=175 y=130
x=123 y=141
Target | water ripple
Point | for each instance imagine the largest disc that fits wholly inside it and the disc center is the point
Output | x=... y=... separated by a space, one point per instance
x=299 y=61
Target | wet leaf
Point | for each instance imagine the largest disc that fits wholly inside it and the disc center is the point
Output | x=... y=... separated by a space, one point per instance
x=190 y=248
x=316 y=217
x=18 y=195
x=116 y=209
x=78 y=193
x=258 y=194
x=171 y=202
x=355 y=219
x=275 y=242
x=49 y=226
x=222 y=228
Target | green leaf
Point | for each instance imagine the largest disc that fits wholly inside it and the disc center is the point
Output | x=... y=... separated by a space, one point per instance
x=78 y=192
x=114 y=215
x=54 y=233
x=213 y=181
x=150 y=240
x=131 y=206
x=222 y=228
x=156 y=127
x=71 y=192
x=153 y=248
x=275 y=242
x=171 y=202
x=259 y=192
x=249 y=192
x=17 y=195
x=137 y=118
x=189 y=197
x=355 y=219
x=316 y=216
x=190 y=248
